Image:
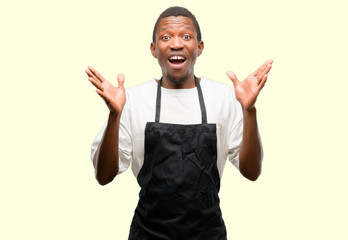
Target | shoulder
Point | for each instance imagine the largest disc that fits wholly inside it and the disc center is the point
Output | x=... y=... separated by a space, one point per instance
x=142 y=92
x=142 y=88
x=221 y=98
x=216 y=89
x=141 y=98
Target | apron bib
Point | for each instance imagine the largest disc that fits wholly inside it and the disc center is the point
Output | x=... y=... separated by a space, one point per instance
x=179 y=182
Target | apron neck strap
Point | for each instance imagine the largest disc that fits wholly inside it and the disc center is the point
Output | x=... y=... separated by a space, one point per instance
x=200 y=96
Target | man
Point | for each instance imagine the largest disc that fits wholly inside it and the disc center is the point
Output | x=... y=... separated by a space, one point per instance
x=177 y=132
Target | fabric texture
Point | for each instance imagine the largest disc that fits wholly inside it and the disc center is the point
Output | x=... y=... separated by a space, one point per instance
x=179 y=181
x=181 y=107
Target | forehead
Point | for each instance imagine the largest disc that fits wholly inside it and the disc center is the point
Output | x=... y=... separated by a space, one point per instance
x=173 y=22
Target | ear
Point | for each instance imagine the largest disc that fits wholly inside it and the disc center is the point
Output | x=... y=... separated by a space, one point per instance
x=200 y=47
x=153 y=49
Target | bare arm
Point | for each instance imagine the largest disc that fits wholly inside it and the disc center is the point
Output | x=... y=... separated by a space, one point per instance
x=247 y=91
x=107 y=159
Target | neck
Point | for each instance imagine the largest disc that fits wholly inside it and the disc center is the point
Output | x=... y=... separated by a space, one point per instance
x=185 y=83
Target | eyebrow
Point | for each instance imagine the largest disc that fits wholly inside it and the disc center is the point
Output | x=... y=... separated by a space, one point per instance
x=166 y=28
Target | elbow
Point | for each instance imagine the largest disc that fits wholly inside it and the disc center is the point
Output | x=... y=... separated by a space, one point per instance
x=251 y=172
x=105 y=174
x=252 y=177
x=104 y=180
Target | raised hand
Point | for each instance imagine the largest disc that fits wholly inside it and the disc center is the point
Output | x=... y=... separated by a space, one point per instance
x=248 y=90
x=114 y=97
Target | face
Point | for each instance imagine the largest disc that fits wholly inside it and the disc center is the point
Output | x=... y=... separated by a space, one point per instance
x=176 y=48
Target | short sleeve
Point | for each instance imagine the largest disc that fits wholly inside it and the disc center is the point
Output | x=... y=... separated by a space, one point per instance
x=235 y=136
x=125 y=149
x=234 y=144
x=95 y=146
x=125 y=143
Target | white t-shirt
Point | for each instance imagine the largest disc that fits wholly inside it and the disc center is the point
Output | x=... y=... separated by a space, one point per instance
x=178 y=106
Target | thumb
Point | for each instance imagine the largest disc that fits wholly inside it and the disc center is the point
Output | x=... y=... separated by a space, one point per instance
x=120 y=80
x=233 y=77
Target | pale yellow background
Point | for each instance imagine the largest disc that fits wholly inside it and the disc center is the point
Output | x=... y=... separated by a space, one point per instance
x=50 y=113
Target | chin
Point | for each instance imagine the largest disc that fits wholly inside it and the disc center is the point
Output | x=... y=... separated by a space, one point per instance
x=177 y=80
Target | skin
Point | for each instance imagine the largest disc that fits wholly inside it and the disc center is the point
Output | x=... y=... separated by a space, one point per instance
x=247 y=91
x=115 y=98
x=178 y=36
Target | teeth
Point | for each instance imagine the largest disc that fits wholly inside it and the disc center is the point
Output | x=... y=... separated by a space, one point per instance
x=177 y=58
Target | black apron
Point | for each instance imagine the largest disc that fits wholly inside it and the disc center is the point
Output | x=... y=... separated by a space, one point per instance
x=179 y=182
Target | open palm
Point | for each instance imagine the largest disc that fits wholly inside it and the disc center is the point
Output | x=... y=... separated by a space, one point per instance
x=248 y=90
x=115 y=97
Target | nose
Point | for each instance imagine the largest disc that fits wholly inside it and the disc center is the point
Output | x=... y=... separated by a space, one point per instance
x=176 y=43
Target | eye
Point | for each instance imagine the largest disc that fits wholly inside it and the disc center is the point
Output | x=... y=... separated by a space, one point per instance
x=186 y=37
x=165 y=37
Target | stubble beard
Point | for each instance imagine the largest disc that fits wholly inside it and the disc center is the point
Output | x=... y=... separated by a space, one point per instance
x=177 y=81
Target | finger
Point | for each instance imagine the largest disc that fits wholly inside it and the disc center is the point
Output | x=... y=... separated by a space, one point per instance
x=262 y=73
x=96 y=73
x=262 y=68
x=90 y=74
x=266 y=70
x=259 y=70
x=120 y=80
x=263 y=81
x=269 y=61
x=96 y=83
x=233 y=77
x=102 y=95
x=268 y=67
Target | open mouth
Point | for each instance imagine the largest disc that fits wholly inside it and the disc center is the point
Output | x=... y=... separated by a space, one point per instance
x=177 y=60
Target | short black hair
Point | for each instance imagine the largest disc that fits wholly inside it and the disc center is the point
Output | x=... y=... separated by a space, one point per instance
x=178 y=11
